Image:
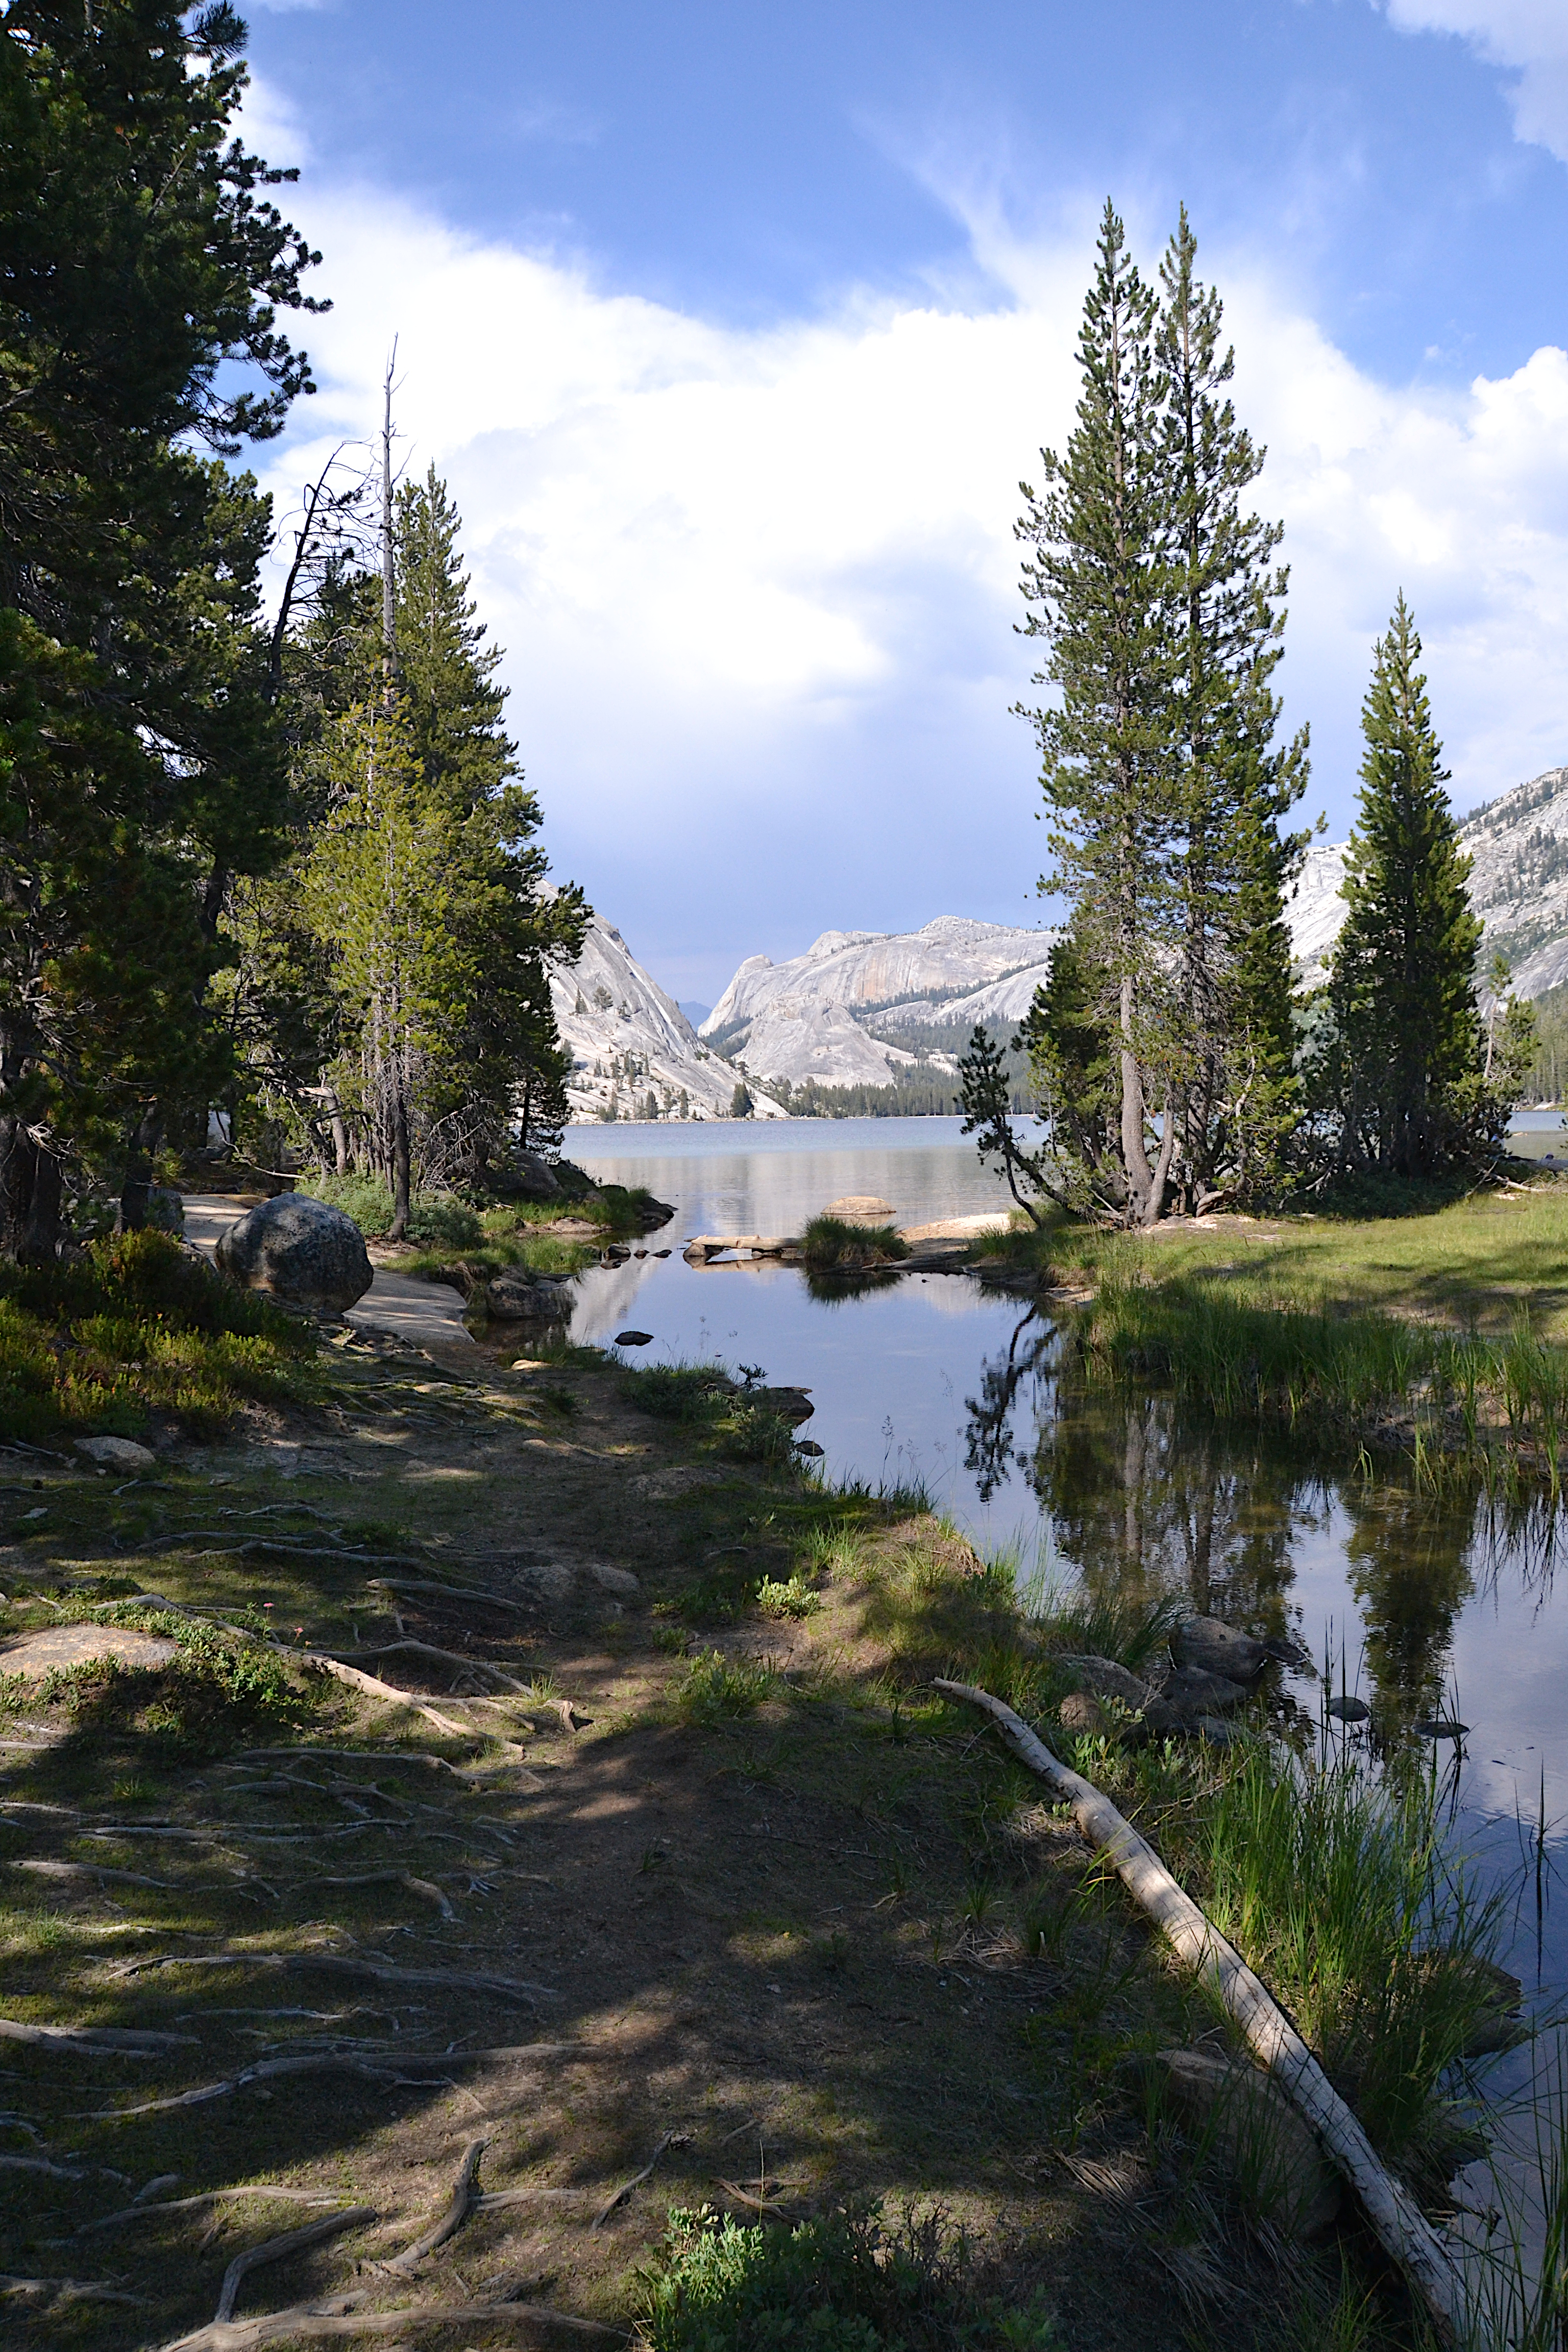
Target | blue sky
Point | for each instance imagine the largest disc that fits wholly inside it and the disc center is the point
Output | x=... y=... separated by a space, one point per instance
x=735 y=327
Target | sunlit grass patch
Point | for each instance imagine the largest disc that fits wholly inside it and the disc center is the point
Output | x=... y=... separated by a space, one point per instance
x=829 y=1245
x=716 y=1689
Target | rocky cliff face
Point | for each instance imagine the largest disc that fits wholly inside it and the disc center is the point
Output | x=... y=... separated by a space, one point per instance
x=1519 y=885
x=635 y=1055
x=858 y=1007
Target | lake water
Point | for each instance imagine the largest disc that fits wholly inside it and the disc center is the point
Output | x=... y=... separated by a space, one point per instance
x=1421 y=1608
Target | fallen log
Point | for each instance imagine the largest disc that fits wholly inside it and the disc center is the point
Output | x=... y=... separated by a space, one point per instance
x=702 y=1247
x=1401 y=2228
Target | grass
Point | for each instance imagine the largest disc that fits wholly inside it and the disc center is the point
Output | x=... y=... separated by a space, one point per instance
x=445 y=1221
x=829 y=1245
x=705 y=1397
x=133 y=1327
x=841 y=2281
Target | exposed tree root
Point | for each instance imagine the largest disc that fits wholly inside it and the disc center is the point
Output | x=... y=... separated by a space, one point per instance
x=453 y=2214
x=670 y=2139
x=342 y=1964
x=450 y=1593
x=276 y=2250
x=406 y=1645
x=136 y=2211
x=88 y=2040
x=309 y=2324
x=53 y=2291
x=316 y=1662
x=421 y=1886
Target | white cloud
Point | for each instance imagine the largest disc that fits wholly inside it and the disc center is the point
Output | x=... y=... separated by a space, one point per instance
x=757 y=586
x=1528 y=36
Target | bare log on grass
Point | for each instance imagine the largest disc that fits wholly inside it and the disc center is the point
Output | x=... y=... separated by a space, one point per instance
x=1401 y=2227
x=452 y=2216
x=277 y=2249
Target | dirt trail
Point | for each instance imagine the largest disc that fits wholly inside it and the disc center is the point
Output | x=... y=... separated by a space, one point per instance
x=758 y=1898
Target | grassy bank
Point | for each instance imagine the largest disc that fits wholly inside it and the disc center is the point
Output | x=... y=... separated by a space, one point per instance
x=1442 y=1337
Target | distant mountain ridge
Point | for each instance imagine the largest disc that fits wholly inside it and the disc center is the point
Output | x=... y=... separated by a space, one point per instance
x=875 y=1008
x=1517 y=845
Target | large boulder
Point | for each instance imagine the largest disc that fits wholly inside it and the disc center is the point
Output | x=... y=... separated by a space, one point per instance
x=516 y=1297
x=304 y=1251
x=532 y=1177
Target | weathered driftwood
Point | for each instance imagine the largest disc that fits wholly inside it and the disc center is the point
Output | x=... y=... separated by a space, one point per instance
x=277 y=2249
x=450 y=2218
x=1401 y=2227
x=702 y=1247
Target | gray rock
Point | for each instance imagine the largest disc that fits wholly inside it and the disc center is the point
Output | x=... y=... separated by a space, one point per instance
x=614 y=1579
x=1080 y=1714
x=533 y=1177
x=117 y=1453
x=633 y=1339
x=301 y=1250
x=516 y=1298
x=1438 y=1727
x=1348 y=1710
x=1104 y=1679
x=808 y=1445
x=1207 y=1646
x=1243 y=2120
x=793 y=1406
x=1203 y=1694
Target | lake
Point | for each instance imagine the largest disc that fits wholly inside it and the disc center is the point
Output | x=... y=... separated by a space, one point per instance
x=1419 y=1607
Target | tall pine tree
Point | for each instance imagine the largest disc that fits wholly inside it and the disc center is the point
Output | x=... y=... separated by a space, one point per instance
x=1403 y=1075
x=139 y=764
x=1234 y=1045
x=1096 y=584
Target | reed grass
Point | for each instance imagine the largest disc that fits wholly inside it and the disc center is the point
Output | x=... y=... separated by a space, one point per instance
x=829 y=1245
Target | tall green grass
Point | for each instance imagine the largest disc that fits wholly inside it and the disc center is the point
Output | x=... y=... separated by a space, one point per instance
x=1335 y=1884
x=829 y=1245
x=1335 y=1376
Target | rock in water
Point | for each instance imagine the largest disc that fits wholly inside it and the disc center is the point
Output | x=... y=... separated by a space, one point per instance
x=301 y=1250
x=633 y=1339
x=513 y=1298
x=1207 y=1646
x=860 y=1209
x=1197 y=1693
x=1244 y=2120
x=1348 y=1710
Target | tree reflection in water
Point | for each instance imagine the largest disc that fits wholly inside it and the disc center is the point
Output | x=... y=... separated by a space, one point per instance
x=1143 y=1501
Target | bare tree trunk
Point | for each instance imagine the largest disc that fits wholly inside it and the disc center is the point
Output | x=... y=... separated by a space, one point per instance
x=137 y=1187
x=388 y=579
x=30 y=1188
x=398 y=1229
x=1134 y=1157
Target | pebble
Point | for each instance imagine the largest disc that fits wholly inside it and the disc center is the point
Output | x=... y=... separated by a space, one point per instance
x=1350 y=1710
x=1439 y=1726
x=633 y=1339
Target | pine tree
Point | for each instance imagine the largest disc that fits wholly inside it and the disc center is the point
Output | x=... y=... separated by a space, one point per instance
x=1234 y=1091
x=1405 y=1069
x=1098 y=586
x=139 y=764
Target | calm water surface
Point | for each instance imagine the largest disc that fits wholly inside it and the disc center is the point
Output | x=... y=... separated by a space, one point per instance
x=1421 y=1608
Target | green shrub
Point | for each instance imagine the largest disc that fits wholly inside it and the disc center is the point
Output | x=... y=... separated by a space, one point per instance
x=434 y=1218
x=830 y=1247
x=837 y=2284
x=716 y=1689
x=795 y=1599
x=693 y=1392
x=137 y=1322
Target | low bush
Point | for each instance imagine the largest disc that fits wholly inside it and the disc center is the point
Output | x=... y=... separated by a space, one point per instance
x=434 y=1218
x=829 y=1245
x=135 y=1323
x=717 y=1690
x=838 y=2282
